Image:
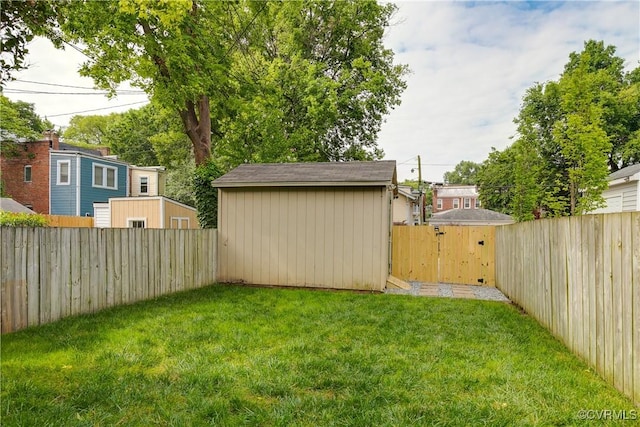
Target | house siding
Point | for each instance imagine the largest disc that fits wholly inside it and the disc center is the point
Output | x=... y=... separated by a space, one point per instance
x=620 y=198
x=630 y=198
x=64 y=198
x=156 y=183
x=90 y=194
x=77 y=198
x=174 y=210
x=150 y=209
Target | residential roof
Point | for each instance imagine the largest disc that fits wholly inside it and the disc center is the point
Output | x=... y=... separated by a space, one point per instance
x=87 y=153
x=378 y=173
x=457 y=191
x=406 y=191
x=9 y=205
x=625 y=172
x=68 y=147
x=471 y=215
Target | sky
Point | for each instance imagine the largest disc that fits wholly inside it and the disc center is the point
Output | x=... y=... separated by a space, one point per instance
x=471 y=64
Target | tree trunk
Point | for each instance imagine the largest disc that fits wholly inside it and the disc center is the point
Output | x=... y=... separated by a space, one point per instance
x=197 y=125
x=572 y=191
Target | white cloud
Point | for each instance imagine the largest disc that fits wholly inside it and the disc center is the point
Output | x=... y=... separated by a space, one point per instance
x=49 y=65
x=472 y=63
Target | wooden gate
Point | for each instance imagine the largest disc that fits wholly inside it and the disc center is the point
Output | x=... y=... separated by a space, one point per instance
x=444 y=254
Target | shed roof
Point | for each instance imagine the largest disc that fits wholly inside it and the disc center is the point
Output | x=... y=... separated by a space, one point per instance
x=9 y=205
x=338 y=174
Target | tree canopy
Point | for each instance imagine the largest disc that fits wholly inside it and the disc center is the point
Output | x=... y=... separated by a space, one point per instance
x=20 y=120
x=464 y=173
x=20 y=21
x=571 y=134
x=250 y=81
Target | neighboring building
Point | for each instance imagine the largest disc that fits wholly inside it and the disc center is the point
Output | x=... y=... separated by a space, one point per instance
x=323 y=225
x=147 y=180
x=24 y=169
x=145 y=212
x=9 y=205
x=446 y=197
x=623 y=194
x=406 y=207
x=476 y=216
x=79 y=179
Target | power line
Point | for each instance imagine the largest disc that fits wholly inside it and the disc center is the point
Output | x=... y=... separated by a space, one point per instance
x=96 y=109
x=71 y=86
x=37 y=92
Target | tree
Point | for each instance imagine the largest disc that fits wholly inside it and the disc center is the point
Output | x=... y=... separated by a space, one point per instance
x=286 y=81
x=147 y=136
x=495 y=180
x=20 y=21
x=320 y=83
x=180 y=183
x=571 y=134
x=19 y=119
x=464 y=173
x=89 y=130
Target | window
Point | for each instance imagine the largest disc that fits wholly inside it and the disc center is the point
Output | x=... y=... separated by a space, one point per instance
x=439 y=204
x=179 y=222
x=144 y=185
x=27 y=173
x=63 y=172
x=477 y=203
x=105 y=176
x=467 y=203
x=137 y=222
x=456 y=203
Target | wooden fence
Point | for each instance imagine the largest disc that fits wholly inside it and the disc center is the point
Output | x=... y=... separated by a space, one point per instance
x=580 y=278
x=69 y=221
x=51 y=273
x=450 y=254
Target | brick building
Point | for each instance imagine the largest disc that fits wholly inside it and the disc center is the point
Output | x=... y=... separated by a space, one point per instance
x=447 y=197
x=24 y=171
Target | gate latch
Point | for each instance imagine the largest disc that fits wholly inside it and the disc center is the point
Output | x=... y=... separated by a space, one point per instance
x=481 y=242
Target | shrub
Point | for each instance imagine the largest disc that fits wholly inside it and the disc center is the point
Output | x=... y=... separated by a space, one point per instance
x=206 y=195
x=11 y=219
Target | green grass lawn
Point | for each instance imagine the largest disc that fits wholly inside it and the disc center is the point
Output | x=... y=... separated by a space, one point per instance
x=232 y=355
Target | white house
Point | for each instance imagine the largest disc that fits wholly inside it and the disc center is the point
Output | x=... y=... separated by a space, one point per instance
x=623 y=194
x=406 y=207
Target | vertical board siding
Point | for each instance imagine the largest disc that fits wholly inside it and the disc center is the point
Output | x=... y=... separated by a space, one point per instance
x=320 y=237
x=51 y=273
x=580 y=278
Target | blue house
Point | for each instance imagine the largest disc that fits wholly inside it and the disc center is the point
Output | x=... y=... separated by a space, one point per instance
x=80 y=178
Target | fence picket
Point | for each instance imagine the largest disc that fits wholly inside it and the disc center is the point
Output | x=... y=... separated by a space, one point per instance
x=590 y=296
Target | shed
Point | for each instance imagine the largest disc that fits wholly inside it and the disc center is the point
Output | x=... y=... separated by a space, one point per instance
x=7 y=204
x=151 y=212
x=325 y=225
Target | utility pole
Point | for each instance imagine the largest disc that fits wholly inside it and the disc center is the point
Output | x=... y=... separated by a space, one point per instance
x=420 y=196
